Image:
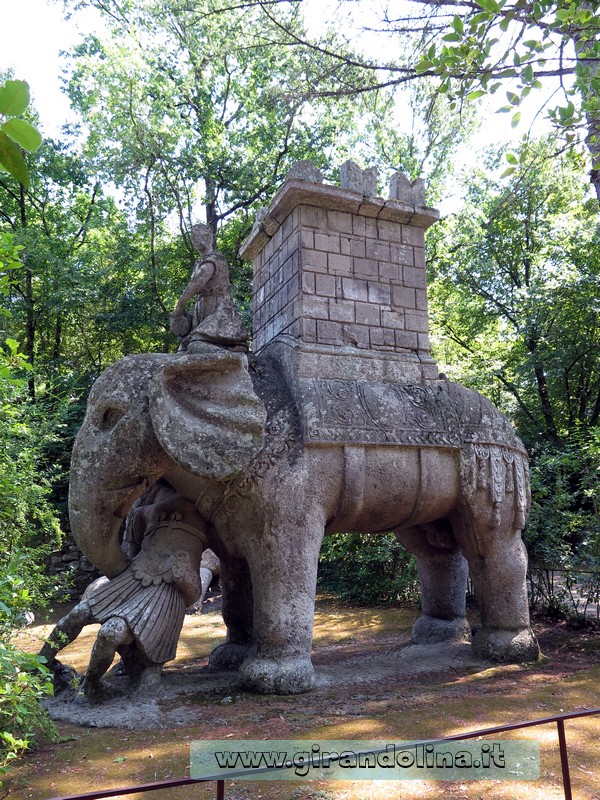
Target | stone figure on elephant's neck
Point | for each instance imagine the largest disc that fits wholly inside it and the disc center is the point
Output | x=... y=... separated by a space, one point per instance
x=214 y=321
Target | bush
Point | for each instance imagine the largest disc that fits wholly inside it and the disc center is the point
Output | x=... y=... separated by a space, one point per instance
x=368 y=569
x=563 y=531
x=29 y=531
x=24 y=679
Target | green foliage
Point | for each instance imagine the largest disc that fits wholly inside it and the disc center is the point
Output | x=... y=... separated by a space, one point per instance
x=11 y=360
x=27 y=520
x=368 y=569
x=513 y=291
x=16 y=133
x=198 y=107
x=481 y=50
x=29 y=531
x=514 y=308
x=563 y=532
x=24 y=681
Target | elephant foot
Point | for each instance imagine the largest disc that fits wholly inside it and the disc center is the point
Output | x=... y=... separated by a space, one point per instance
x=227 y=657
x=287 y=676
x=430 y=630
x=502 y=646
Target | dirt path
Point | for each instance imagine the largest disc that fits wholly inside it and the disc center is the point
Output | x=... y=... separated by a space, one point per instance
x=371 y=684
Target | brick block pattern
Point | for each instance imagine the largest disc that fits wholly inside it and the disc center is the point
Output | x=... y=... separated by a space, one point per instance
x=339 y=278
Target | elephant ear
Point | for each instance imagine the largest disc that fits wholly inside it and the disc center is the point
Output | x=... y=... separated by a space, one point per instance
x=206 y=414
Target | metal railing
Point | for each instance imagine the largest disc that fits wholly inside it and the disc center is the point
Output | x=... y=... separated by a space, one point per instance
x=558 y=719
x=171 y=783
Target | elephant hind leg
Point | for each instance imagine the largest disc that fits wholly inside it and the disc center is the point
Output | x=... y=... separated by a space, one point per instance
x=443 y=579
x=237 y=615
x=498 y=567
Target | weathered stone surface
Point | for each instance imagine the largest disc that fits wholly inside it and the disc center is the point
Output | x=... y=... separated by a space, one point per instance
x=401 y=188
x=328 y=246
x=370 y=182
x=368 y=412
x=405 y=459
x=337 y=422
x=358 y=180
x=214 y=320
x=351 y=176
x=305 y=171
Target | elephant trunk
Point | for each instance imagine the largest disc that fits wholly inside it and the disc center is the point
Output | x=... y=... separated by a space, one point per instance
x=116 y=456
x=147 y=415
x=96 y=514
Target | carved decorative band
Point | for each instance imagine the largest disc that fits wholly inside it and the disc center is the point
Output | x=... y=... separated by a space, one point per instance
x=377 y=412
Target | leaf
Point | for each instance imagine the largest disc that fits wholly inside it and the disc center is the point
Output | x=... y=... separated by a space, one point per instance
x=14 y=98
x=489 y=5
x=479 y=17
x=12 y=160
x=507 y=172
x=474 y=95
x=511 y=158
x=22 y=133
x=423 y=65
x=458 y=25
x=513 y=98
x=451 y=37
x=515 y=120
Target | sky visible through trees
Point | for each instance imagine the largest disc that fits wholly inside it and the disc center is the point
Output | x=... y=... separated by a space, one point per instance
x=35 y=55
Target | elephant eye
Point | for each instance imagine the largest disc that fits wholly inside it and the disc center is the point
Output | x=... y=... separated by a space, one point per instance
x=109 y=419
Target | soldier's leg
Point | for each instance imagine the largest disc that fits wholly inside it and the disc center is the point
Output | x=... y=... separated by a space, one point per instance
x=113 y=633
x=67 y=630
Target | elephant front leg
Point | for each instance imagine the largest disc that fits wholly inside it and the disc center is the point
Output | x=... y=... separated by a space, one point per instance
x=443 y=573
x=284 y=577
x=237 y=615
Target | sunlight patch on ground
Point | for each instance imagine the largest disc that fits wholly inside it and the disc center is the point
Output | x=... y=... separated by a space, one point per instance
x=349 y=624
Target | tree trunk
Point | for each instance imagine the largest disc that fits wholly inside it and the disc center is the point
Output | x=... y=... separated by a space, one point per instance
x=542 y=387
x=57 y=340
x=211 y=204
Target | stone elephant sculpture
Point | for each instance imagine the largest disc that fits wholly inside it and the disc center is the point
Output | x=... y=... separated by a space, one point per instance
x=451 y=482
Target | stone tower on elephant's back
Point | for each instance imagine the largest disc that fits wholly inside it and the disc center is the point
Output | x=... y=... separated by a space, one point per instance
x=339 y=276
